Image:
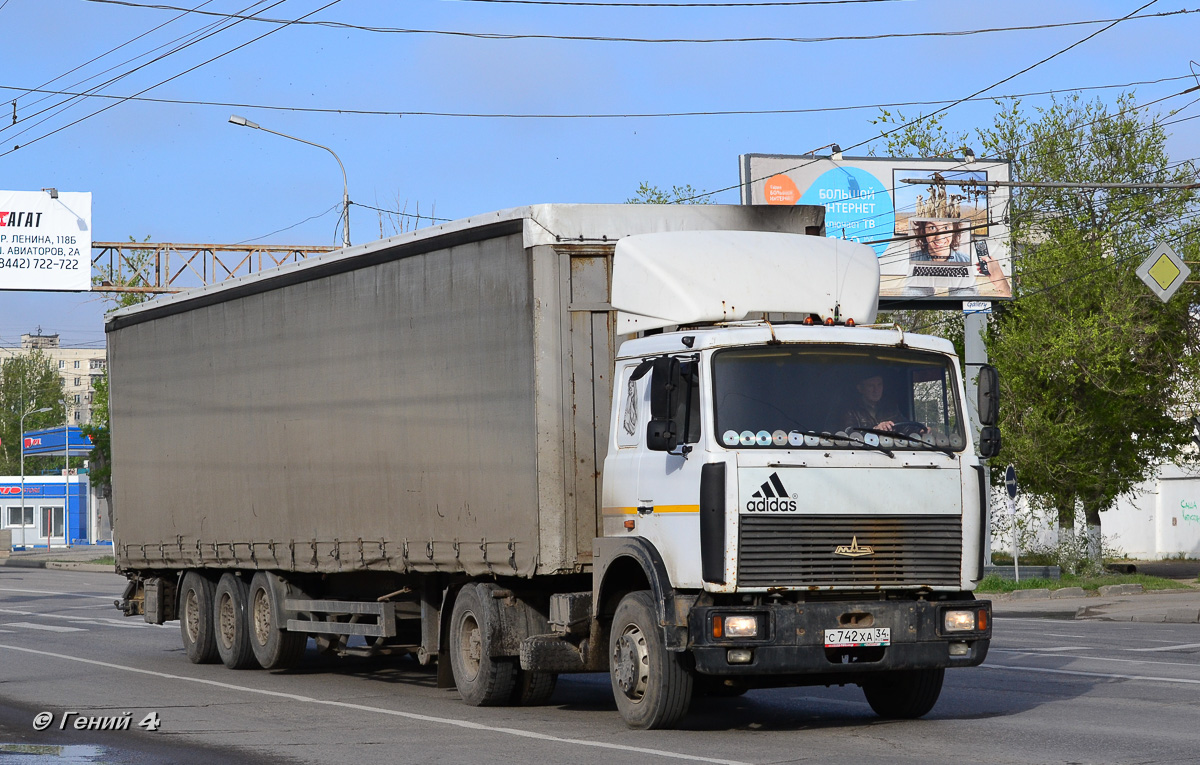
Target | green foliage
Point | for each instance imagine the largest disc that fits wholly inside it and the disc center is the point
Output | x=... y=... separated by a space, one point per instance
x=994 y=583
x=28 y=381
x=131 y=271
x=678 y=195
x=927 y=137
x=1097 y=374
x=100 y=461
x=1091 y=361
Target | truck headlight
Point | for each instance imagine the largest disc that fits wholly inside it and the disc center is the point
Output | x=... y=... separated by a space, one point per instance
x=959 y=621
x=742 y=626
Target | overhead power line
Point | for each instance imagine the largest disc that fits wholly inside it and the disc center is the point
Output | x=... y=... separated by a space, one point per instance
x=658 y=40
x=169 y=79
x=946 y=108
x=196 y=36
x=680 y=5
x=582 y=115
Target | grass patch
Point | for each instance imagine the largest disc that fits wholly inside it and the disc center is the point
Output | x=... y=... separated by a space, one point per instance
x=995 y=584
x=105 y=560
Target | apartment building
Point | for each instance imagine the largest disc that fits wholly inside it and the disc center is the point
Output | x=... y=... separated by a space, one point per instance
x=78 y=367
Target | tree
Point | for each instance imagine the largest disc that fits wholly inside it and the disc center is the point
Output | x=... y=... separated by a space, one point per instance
x=100 y=462
x=28 y=381
x=1094 y=368
x=652 y=195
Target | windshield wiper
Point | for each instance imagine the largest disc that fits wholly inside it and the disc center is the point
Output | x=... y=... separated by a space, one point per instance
x=847 y=437
x=898 y=434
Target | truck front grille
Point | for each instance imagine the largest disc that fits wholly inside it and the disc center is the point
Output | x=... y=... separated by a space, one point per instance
x=777 y=550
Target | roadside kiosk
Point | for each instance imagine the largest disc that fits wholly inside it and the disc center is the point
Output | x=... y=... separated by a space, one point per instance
x=53 y=509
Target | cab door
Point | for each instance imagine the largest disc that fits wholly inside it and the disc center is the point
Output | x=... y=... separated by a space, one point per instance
x=668 y=482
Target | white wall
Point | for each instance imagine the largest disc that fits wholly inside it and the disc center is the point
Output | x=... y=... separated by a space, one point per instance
x=1160 y=519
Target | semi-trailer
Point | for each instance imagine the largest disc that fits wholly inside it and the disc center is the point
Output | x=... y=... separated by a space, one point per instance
x=663 y=442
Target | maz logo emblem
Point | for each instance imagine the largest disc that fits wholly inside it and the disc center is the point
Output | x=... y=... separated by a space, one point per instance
x=854 y=550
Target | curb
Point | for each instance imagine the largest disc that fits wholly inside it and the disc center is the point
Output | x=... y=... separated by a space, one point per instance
x=58 y=565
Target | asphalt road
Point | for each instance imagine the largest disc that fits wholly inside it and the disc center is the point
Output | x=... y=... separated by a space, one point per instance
x=1052 y=691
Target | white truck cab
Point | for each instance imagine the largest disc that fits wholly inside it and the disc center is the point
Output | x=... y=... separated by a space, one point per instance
x=802 y=491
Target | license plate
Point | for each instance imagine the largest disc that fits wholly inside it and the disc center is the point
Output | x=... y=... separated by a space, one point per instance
x=858 y=638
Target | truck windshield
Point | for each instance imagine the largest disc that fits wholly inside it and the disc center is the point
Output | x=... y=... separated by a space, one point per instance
x=822 y=397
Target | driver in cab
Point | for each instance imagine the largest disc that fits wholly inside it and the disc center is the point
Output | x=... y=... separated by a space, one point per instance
x=869 y=413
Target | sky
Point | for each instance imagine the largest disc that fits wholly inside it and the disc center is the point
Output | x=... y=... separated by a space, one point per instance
x=180 y=172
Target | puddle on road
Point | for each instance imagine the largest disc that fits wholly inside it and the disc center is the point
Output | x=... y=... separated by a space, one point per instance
x=48 y=754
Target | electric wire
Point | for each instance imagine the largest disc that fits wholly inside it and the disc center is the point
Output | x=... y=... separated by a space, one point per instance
x=111 y=50
x=946 y=108
x=417 y=216
x=169 y=79
x=198 y=36
x=678 y=5
x=288 y=228
x=583 y=116
x=664 y=40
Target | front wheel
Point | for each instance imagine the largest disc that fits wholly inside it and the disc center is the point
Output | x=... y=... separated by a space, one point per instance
x=904 y=695
x=650 y=683
x=481 y=679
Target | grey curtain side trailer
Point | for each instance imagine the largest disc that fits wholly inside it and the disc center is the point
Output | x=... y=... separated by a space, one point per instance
x=432 y=402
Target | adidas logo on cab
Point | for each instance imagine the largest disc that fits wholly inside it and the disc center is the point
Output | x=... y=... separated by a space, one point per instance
x=771 y=498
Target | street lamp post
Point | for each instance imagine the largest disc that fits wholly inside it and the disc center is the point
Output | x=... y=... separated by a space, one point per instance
x=235 y=119
x=23 y=500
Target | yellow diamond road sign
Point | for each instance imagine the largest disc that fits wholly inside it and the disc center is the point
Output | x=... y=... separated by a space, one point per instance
x=1164 y=272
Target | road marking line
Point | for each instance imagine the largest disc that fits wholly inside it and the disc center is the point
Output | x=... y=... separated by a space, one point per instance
x=1167 y=647
x=100 y=620
x=1093 y=658
x=380 y=710
x=45 y=627
x=1080 y=673
x=1045 y=650
x=109 y=598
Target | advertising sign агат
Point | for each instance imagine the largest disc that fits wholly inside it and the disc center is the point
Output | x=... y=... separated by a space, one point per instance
x=45 y=241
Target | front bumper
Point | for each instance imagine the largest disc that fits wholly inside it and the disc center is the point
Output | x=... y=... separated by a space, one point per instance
x=794 y=639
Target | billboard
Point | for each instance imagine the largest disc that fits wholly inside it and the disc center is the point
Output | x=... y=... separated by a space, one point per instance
x=934 y=241
x=46 y=240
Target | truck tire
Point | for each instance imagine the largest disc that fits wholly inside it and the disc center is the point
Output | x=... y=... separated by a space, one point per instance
x=904 y=695
x=274 y=647
x=533 y=689
x=652 y=687
x=232 y=623
x=481 y=679
x=196 y=596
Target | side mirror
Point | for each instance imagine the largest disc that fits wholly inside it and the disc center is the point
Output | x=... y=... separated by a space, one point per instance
x=662 y=433
x=989 y=442
x=989 y=396
x=661 y=436
x=664 y=381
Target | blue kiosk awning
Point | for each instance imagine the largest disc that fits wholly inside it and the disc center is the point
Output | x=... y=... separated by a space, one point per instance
x=50 y=441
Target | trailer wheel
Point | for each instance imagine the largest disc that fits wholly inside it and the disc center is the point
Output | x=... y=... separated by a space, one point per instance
x=481 y=680
x=196 y=597
x=274 y=647
x=652 y=687
x=232 y=622
x=533 y=689
x=904 y=695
